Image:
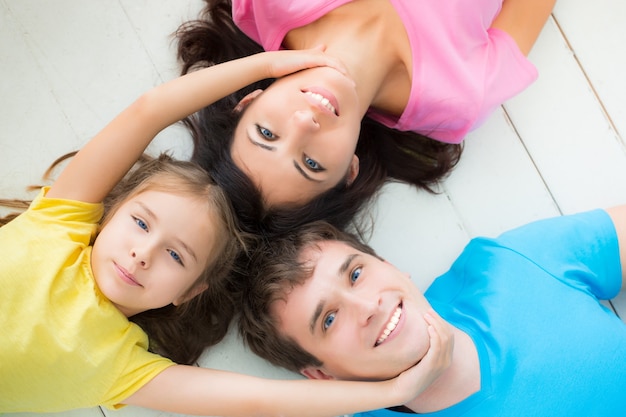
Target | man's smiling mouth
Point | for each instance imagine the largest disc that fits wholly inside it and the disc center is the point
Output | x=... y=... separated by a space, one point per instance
x=391 y=326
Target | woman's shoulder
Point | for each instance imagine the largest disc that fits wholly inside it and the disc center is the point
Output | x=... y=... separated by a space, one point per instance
x=268 y=21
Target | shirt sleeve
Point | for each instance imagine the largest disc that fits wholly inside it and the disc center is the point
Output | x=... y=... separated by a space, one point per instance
x=581 y=250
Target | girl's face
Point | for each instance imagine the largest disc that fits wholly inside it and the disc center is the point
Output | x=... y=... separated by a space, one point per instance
x=152 y=251
x=297 y=139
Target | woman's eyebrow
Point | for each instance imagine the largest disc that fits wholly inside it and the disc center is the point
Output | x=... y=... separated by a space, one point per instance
x=273 y=149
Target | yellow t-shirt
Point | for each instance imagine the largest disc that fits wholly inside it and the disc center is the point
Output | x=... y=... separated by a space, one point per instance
x=63 y=345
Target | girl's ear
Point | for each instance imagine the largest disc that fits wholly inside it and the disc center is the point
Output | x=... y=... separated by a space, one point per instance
x=315 y=373
x=243 y=103
x=353 y=170
x=198 y=289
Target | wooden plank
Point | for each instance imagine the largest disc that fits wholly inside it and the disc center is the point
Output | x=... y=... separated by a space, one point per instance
x=596 y=32
x=567 y=134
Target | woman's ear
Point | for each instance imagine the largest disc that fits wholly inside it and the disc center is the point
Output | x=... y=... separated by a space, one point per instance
x=315 y=373
x=353 y=170
x=197 y=290
x=243 y=103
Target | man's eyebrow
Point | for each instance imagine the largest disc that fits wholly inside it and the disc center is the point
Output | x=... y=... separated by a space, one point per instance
x=151 y=214
x=320 y=306
x=273 y=149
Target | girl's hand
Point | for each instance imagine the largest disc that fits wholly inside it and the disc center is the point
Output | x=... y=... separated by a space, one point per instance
x=413 y=381
x=284 y=62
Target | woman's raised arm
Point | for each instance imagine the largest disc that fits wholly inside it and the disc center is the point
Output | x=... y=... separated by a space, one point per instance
x=95 y=170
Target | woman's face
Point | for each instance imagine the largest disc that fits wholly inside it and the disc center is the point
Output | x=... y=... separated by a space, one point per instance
x=297 y=139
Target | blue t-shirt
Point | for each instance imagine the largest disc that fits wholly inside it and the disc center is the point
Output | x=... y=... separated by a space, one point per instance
x=530 y=302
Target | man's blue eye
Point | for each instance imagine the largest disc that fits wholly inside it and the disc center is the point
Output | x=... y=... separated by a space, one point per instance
x=141 y=223
x=311 y=163
x=175 y=256
x=265 y=133
x=355 y=275
x=328 y=320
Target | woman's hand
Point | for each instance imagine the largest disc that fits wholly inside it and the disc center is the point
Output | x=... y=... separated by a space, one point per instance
x=284 y=62
x=410 y=383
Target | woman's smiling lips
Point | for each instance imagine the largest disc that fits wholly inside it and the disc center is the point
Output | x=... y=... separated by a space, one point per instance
x=126 y=276
x=323 y=98
x=390 y=326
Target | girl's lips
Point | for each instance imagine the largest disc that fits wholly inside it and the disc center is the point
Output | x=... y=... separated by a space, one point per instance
x=323 y=97
x=126 y=276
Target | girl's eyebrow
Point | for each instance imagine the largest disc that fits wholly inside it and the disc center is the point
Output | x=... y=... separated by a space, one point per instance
x=185 y=247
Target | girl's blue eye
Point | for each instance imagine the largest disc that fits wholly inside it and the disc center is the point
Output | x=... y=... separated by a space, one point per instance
x=328 y=320
x=311 y=163
x=265 y=133
x=141 y=223
x=175 y=256
x=355 y=274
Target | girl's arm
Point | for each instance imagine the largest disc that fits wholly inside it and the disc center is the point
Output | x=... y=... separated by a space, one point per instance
x=523 y=20
x=200 y=391
x=95 y=170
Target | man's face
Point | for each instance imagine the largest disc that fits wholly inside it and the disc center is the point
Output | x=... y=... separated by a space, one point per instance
x=362 y=317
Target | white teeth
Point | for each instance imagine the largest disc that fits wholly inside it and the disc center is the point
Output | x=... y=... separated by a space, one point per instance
x=393 y=322
x=323 y=101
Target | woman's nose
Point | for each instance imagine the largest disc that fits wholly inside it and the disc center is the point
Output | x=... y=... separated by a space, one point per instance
x=305 y=121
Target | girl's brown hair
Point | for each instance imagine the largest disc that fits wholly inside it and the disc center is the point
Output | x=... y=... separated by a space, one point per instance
x=182 y=332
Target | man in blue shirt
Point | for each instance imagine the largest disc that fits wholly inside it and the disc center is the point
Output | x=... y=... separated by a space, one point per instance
x=530 y=334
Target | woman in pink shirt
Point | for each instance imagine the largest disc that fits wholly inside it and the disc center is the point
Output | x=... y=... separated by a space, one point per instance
x=319 y=143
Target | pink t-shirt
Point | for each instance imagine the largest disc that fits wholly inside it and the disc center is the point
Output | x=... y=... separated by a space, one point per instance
x=462 y=69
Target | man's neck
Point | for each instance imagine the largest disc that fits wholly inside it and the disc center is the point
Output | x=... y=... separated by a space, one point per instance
x=458 y=382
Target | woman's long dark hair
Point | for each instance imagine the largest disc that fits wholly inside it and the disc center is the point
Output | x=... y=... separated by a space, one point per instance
x=385 y=154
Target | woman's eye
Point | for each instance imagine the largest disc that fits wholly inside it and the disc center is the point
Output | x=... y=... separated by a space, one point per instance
x=175 y=256
x=328 y=320
x=354 y=275
x=141 y=223
x=312 y=164
x=265 y=133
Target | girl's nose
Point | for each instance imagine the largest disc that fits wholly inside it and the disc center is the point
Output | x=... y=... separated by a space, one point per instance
x=140 y=256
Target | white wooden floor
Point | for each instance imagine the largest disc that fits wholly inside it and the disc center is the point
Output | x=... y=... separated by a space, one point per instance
x=68 y=66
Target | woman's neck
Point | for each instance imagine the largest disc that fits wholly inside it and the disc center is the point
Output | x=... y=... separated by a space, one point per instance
x=369 y=38
x=458 y=382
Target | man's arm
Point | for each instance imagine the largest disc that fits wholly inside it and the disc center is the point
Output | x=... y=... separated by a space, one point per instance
x=523 y=20
x=618 y=215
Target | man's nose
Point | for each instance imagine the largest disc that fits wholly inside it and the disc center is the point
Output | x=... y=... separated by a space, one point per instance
x=365 y=306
